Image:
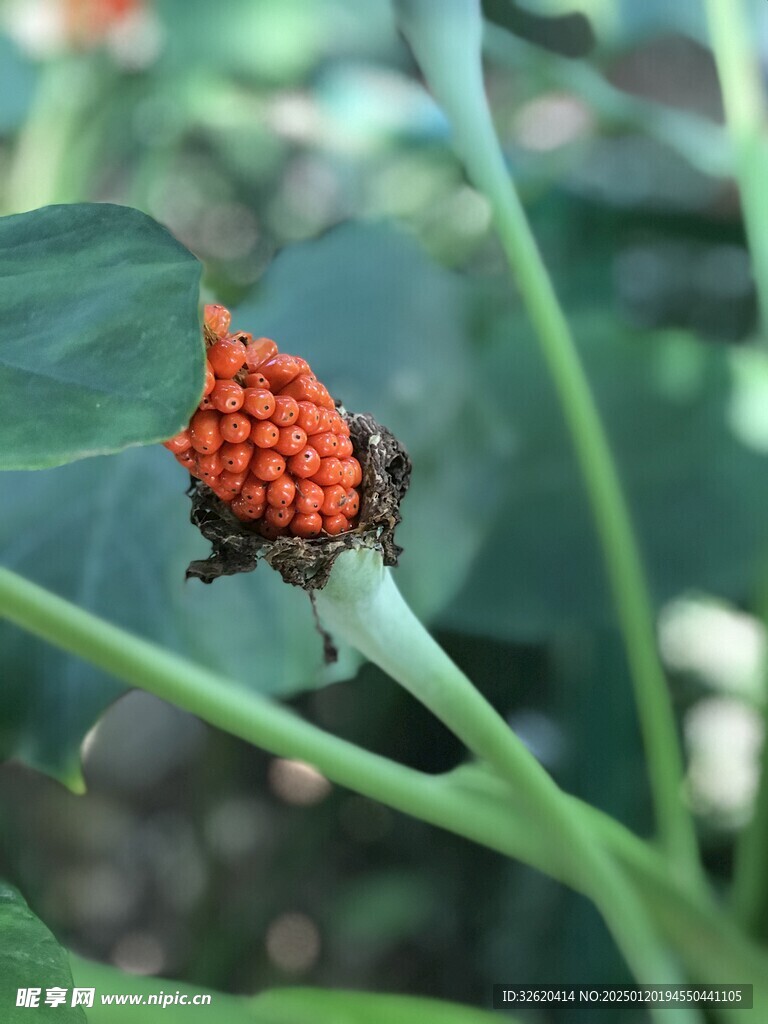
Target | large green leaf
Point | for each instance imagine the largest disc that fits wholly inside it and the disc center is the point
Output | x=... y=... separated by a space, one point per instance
x=323 y=1006
x=31 y=958
x=100 y=343
x=381 y=325
x=276 y=1006
x=113 y=535
x=688 y=427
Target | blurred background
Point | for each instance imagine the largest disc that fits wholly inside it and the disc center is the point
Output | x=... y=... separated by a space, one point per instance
x=292 y=147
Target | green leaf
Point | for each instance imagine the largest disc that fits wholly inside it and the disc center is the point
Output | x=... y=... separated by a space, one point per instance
x=113 y=535
x=276 y=1006
x=687 y=425
x=323 y=1006
x=31 y=958
x=569 y=34
x=380 y=324
x=100 y=342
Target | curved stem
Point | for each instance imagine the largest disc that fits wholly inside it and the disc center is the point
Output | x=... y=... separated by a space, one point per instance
x=258 y=720
x=34 y=177
x=738 y=69
x=446 y=41
x=708 y=942
x=361 y=604
x=463 y=802
x=749 y=892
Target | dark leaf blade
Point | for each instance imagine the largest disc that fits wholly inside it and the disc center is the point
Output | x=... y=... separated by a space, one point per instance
x=100 y=342
x=569 y=35
x=31 y=958
x=113 y=536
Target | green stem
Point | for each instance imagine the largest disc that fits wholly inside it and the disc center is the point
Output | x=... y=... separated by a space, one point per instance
x=740 y=81
x=362 y=605
x=749 y=893
x=710 y=944
x=254 y=718
x=447 y=47
x=35 y=175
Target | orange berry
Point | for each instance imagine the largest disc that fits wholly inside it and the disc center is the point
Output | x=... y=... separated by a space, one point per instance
x=246 y=510
x=281 y=492
x=304 y=367
x=303 y=389
x=326 y=445
x=308 y=418
x=279 y=517
x=210 y=378
x=235 y=427
x=210 y=466
x=280 y=370
x=265 y=434
x=330 y=472
x=188 y=460
x=205 y=403
x=325 y=423
x=306 y=524
x=323 y=397
x=232 y=483
x=353 y=474
x=256 y=380
x=334 y=500
x=259 y=403
x=335 y=524
x=259 y=351
x=227 y=396
x=286 y=411
x=254 y=490
x=236 y=457
x=309 y=497
x=217 y=319
x=178 y=443
x=204 y=432
x=345 y=447
x=226 y=357
x=305 y=464
x=267 y=465
x=292 y=440
x=337 y=423
x=352 y=506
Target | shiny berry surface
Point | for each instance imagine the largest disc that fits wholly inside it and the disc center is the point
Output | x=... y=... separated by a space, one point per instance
x=235 y=427
x=267 y=438
x=227 y=396
x=226 y=358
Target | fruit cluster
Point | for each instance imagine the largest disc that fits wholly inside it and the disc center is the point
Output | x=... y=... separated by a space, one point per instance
x=267 y=438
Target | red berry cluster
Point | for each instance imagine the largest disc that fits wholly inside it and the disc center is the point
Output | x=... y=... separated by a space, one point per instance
x=267 y=438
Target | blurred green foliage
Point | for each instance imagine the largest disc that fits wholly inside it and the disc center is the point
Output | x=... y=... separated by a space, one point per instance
x=292 y=148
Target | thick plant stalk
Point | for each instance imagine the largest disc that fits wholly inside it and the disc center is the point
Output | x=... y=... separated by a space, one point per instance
x=362 y=605
x=259 y=720
x=65 y=89
x=446 y=40
x=738 y=69
x=749 y=893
